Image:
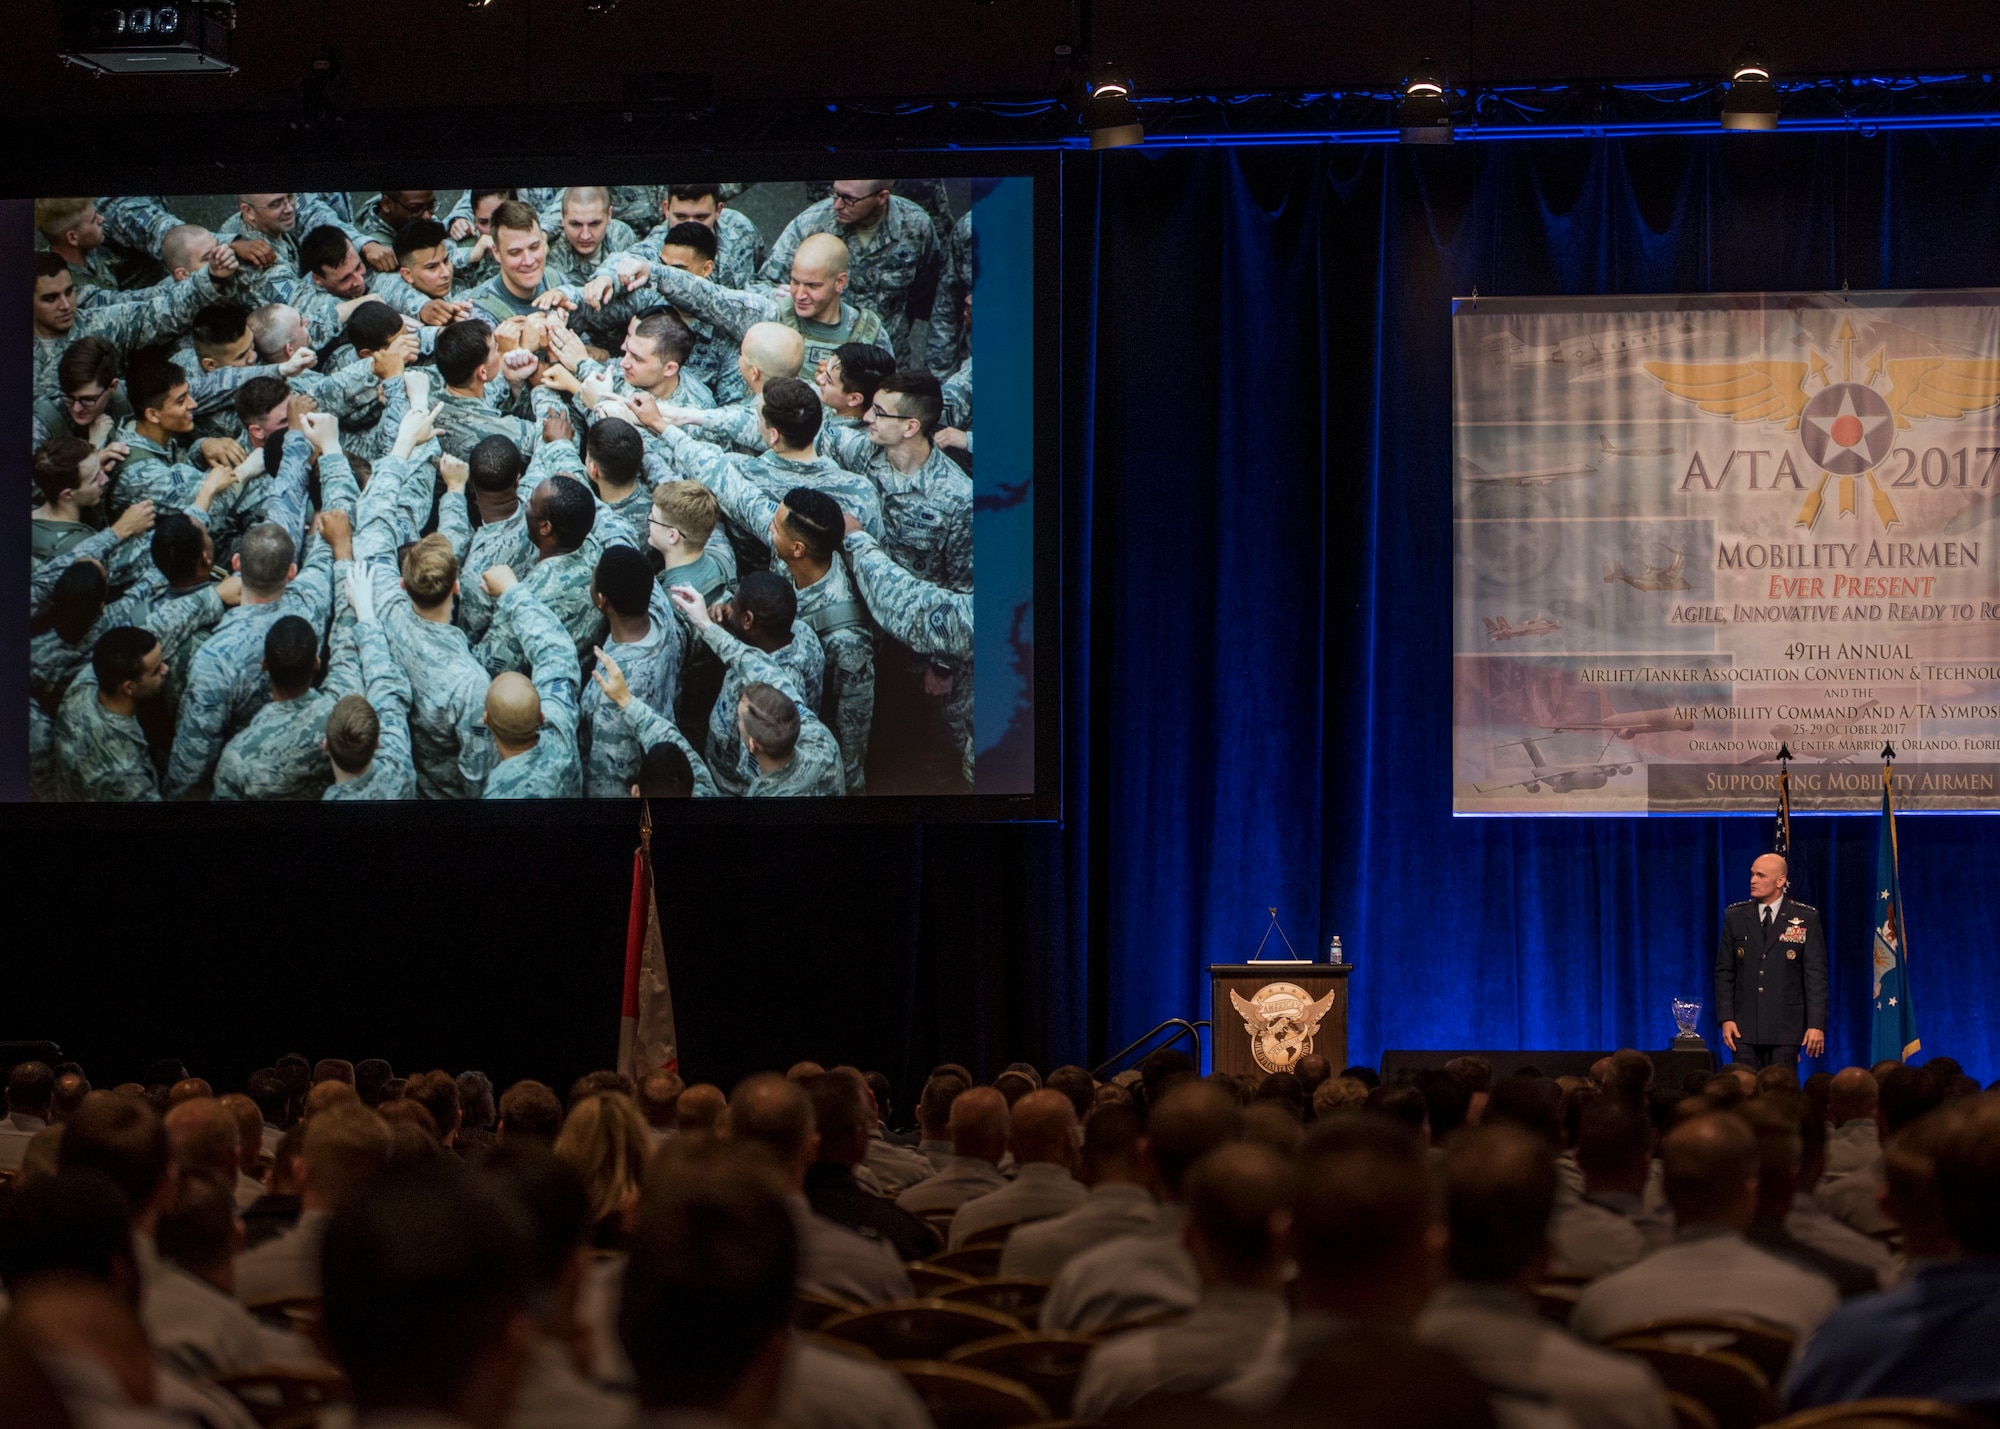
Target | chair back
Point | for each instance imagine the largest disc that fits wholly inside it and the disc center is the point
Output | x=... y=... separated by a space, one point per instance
x=919 y=1329
x=287 y=1398
x=1554 y=1300
x=1768 y=1348
x=992 y=1235
x=810 y=1309
x=940 y=1224
x=933 y=1280
x=1010 y=1295
x=1724 y=1383
x=289 y=1312
x=1145 y=1320
x=977 y=1261
x=1886 y=1414
x=1050 y=1362
x=1689 y=1413
x=962 y=1398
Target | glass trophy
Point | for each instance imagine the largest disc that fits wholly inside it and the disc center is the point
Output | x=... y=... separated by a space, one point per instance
x=1687 y=1013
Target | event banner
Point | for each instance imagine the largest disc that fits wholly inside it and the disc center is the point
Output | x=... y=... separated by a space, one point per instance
x=1690 y=530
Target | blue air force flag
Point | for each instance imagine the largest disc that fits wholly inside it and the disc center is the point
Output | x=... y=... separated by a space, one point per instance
x=1895 y=1020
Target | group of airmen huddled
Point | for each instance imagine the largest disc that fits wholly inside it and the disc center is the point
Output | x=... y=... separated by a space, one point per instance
x=570 y=493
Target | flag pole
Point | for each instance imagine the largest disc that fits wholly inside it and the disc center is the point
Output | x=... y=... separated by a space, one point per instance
x=635 y=940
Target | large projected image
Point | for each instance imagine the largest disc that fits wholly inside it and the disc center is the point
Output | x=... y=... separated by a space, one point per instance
x=548 y=493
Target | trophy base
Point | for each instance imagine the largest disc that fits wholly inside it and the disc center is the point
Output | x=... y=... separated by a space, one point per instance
x=1689 y=1042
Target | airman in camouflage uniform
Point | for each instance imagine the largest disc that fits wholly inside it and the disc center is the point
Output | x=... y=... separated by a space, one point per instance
x=926 y=513
x=787 y=669
x=950 y=343
x=280 y=754
x=770 y=473
x=164 y=312
x=610 y=747
x=551 y=769
x=958 y=398
x=101 y=755
x=893 y=266
x=734 y=311
x=812 y=771
x=309 y=211
x=391 y=774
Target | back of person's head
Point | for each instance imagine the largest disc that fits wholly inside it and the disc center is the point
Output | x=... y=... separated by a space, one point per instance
x=325 y=1096
x=624 y=578
x=1532 y=1103
x=655 y=1097
x=1711 y=1167
x=371 y=1074
x=1403 y=1103
x=699 y=1108
x=1500 y=1188
x=1012 y=1086
x=202 y=1136
x=436 y=1091
x=198 y=1232
x=422 y=1279
x=1631 y=1076
x=77 y=600
x=840 y=1116
x=268 y=1090
x=1774 y=1120
x=1909 y=1178
x=1111 y=1143
x=1076 y=1084
x=604 y=1079
x=708 y=1289
x=1042 y=1127
x=1447 y=1099
x=1336 y=1093
x=1778 y=1079
x=555 y=1198
x=461 y=350
x=264 y=560
x=70 y=1090
x=1614 y=1143
x=664 y=772
x=1906 y=1094
x=345 y=1147
x=605 y=1139
x=1239 y=1202
x=772 y=599
x=1968 y=1173
x=616 y=447
x=121 y=1138
x=372 y=327
x=291 y=654
x=1364 y=1206
x=30 y=1086
x=768 y=1111
x=74 y=1224
x=530 y=1111
x=934 y=1104
x=495 y=464
x=815 y=520
x=1189 y=1121
x=979 y=1121
x=178 y=546
x=1160 y=1069
x=792 y=408
x=475 y=1100
x=1473 y=1071
x=570 y=510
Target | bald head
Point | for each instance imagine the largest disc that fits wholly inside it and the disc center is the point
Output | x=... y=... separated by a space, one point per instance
x=1043 y=1128
x=979 y=1124
x=1191 y=1120
x=770 y=1112
x=203 y=1136
x=1767 y=877
x=1853 y=1096
x=188 y=1089
x=698 y=1108
x=773 y=350
x=185 y=248
x=513 y=708
x=249 y=1130
x=821 y=255
x=1711 y=1166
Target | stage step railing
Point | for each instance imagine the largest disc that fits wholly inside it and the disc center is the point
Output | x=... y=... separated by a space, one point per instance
x=1181 y=1028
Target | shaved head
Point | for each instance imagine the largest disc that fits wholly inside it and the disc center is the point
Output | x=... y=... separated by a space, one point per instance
x=1044 y=1128
x=186 y=247
x=203 y=1136
x=1767 y=877
x=513 y=708
x=821 y=253
x=1853 y=1095
x=774 y=349
x=979 y=1124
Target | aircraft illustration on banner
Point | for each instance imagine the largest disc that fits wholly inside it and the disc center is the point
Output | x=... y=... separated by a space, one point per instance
x=1559 y=781
x=1625 y=725
x=1498 y=629
x=1473 y=472
x=1592 y=356
x=1604 y=445
x=1667 y=577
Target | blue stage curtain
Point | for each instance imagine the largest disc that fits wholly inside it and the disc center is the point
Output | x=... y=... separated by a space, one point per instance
x=1258 y=576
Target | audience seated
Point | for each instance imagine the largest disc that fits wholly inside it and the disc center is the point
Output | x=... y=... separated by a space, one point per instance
x=1851 y=1106
x=699 y=1108
x=1903 y=1094
x=189 y=1306
x=1500 y=1188
x=1239 y=1220
x=1775 y=1117
x=1932 y=1337
x=1149 y=1271
x=529 y=1111
x=344 y=1147
x=1608 y=1227
x=1710 y=1270
x=1042 y=1135
x=842 y=1119
x=605 y=1139
x=1116 y=1203
x=30 y=1087
x=934 y=1117
x=978 y=1145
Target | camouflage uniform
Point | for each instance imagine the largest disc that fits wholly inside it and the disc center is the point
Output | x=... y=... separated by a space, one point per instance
x=739 y=247
x=53 y=662
x=495 y=302
x=926 y=513
x=313 y=212
x=279 y=754
x=958 y=398
x=138 y=223
x=163 y=475
x=166 y=311
x=467 y=421
x=652 y=670
x=796 y=669
x=892 y=271
x=813 y=771
x=391 y=774
x=690 y=393
x=48 y=539
x=646 y=727
x=227 y=685
x=774 y=475
x=949 y=341
x=447 y=691
x=929 y=619
x=551 y=770
x=96 y=284
x=570 y=266
x=52 y=418
x=734 y=311
x=705 y=574
x=827 y=606
x=101 y=755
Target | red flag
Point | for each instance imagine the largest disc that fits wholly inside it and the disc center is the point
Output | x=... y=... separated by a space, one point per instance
x=646 y=1042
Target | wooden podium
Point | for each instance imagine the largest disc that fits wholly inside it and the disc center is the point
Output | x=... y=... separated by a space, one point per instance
x=1299 y=1009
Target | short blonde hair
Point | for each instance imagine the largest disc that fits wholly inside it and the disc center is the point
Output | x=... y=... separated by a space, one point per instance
x=344 y=1146
x=606 y=1139
x=587 y=195
x=430 y=570
x=56 y=216
x=688 y=506
x=1336 y=1092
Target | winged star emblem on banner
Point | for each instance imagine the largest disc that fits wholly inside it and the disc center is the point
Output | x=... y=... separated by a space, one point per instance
x=1846 y=427
x=1281 y=1020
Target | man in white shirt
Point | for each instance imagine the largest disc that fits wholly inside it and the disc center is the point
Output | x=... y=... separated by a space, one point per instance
x=29 y=1087
x=934 y=1118
x=978 y=1142
x=1855 y=1143
x=1149 y=1271
x=1710 y=1270
x=1239 y=1223
x=1608 y=1227
x=1117 y=1203
x=189 y=1308
x=345 y=1145
x=772 y=1113
x=1042 y=1133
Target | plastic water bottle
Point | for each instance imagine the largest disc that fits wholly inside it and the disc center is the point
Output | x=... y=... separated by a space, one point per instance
x=1333 y=952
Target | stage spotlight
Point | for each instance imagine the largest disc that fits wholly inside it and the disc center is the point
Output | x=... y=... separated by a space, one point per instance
x=1108 y=111
x=1753 y=99
x=1424 y=112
